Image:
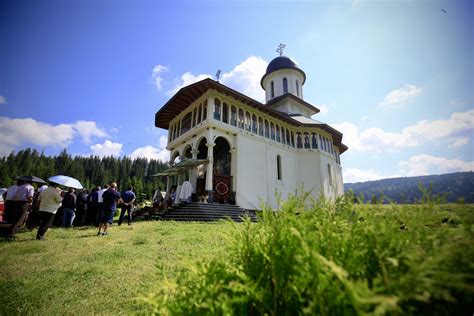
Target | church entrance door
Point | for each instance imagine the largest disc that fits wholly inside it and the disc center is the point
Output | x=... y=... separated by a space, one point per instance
x=222 y=172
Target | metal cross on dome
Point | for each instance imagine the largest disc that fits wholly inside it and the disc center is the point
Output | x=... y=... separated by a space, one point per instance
x=280 y=48
x=218 y=74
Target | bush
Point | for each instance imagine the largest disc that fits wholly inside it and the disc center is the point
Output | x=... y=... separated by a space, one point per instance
x=331 y=259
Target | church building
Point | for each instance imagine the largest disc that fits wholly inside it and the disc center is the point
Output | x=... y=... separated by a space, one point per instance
x=234 y=149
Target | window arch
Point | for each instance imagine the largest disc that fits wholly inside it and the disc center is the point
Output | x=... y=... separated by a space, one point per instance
x=272 y=131
x=217 y=109
x=272 y=88
x=247 y=121
x=254 y=124
x=241 y=118
x=285 y=85
x=314 y=141
x=260 y=126
x=279 y=175
x=233 y=116
x=225 y=113
x=299 y=143
x=267 y=130
x=306 y=141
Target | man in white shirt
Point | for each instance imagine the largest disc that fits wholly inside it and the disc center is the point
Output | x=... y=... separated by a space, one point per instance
x=18 y=200
x=49 y=201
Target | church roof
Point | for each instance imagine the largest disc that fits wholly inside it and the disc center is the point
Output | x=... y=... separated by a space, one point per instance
x=282 y=62
x=187 y=95
x=297 y=99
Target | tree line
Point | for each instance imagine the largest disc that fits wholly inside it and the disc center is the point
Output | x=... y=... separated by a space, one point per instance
x=90 y=171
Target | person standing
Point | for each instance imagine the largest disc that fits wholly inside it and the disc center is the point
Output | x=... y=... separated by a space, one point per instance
x=109 y=205
x=93 y=207
x=81 y=207
x=49 y=201
x=18 y=200
x=100 y=202
x=128 y=197
x=69 y=206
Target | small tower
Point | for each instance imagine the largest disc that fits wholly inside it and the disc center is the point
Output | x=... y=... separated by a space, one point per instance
x=283 y=76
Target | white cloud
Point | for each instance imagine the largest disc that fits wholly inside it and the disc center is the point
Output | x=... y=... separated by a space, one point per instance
x=31 y=132
x=324 y=109
x=352 y=175
x=158 y=70
x=108 y=148
x=455 y=129
x=399 y=97
x=3 y=100
x=163 y=141
x=425 y=164
x=151 y=152
x=88 y=129
x=244 y=78
x=460 y=142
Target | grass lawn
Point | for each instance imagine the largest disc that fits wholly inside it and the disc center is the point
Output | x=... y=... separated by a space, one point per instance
x=75 y=271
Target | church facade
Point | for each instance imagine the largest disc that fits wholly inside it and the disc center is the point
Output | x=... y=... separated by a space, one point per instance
x=234 y=149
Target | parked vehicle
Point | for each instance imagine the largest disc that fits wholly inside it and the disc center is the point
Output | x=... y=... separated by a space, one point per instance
x=2 y=203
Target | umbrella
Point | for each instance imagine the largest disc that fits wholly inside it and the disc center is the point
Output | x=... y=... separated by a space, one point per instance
x=66 y=181
x=30 y=178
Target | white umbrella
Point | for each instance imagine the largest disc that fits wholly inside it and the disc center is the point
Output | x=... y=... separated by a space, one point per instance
x=66 y=181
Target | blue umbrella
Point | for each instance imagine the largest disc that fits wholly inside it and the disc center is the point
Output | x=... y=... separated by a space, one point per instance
x=66 y=181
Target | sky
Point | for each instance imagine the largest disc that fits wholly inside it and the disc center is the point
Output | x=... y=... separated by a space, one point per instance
x=395 y=77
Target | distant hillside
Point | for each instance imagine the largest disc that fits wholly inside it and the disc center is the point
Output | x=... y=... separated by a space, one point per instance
x=405 y=190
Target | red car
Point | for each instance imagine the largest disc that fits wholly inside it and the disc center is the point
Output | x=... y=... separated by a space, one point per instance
x=2 y=203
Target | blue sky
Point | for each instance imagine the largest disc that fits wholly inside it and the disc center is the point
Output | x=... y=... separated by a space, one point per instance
x=396 y=77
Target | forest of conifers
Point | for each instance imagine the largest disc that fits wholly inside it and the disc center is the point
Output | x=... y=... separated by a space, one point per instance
x=90 y=171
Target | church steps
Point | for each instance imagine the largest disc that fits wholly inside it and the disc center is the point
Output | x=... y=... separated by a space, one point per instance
x=207 y=212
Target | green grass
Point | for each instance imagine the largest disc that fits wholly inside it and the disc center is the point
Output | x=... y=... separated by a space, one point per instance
x=334 y=259
x=77 y=272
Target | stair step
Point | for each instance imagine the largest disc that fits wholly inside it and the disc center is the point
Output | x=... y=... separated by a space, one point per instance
x=208 y=212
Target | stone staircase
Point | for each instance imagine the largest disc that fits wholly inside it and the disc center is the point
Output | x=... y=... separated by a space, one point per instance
x=207 y=212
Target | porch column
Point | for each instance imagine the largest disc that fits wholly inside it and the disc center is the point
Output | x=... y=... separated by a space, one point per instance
x=192 y=172
x=233 y=167
x=210 y=171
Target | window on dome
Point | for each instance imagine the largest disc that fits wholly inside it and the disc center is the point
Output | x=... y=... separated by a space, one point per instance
x=314 y=141
x=278 y=133
x=306 y=141
x=278 y=167
x=247 y=121
x=241 y=119
x=272 y=86
x=254 y=124
x=267 y=130
x=299 y=143
x=186 y=123
x=285 y=85
x=260 y=126
x=217 y=109
x=233 y=116
x=225 y=113
x=297 y=88
x=272 y=131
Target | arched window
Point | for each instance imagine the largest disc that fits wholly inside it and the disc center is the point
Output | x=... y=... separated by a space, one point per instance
x=247 y=121
x=278 y=167
x=225 y=113
x=272 y=131
x=292 y=140
x=254 y=124
x=299 y=143
x=297 y=88
x=267 y=130
x=306 y=141
x=314 y=141
x=285 y=85
x=241 y=118
x=282 y=135
x=194 y=117
x=288 y=137
x=277 y=133
x=204 y=111
x=186 y=123
x=233 y=116
x=260 y=126
x=217 y=109
x=199 y=113
x=272 y=87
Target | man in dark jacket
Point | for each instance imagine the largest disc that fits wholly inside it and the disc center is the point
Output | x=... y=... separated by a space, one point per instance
x=69 y=207
x=111 y=198
x=128 y=197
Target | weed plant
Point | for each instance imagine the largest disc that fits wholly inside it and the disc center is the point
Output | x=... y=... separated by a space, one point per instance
x=332 y=258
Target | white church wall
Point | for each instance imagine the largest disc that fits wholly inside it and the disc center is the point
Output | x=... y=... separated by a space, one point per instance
x=277 y=78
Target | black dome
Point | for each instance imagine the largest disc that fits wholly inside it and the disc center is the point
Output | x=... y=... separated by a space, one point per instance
x=282 y=62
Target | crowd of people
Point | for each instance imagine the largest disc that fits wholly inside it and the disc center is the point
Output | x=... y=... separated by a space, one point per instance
x=49 y=205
